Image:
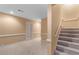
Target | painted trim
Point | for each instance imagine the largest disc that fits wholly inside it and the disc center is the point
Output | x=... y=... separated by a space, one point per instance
x=9 y=35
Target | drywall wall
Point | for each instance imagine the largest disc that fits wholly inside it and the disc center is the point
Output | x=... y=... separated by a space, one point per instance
x=10 y=25
x=13 y=25
x=36 y=29
x=70 y=24
x=70 y=11
x=70 y=15
x=44 y=29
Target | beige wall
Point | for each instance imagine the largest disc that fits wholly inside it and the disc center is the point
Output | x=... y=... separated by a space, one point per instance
x=10 y=25
x=70 y=14
x=71 y=11
x=11 y=39
x=70 y=24
x=36 y=29
x=44 y=29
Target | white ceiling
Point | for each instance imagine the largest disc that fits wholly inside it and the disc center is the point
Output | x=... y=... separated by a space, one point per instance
x=30 y=11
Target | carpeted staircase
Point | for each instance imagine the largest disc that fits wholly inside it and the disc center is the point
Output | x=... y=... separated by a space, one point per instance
x=68 y=42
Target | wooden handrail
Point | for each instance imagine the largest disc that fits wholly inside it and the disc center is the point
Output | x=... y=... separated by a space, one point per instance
x=71 y=19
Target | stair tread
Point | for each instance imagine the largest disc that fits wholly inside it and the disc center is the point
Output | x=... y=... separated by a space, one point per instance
x=69 y=37
x=69 y=33
x=61 y=53
x=69 y=28
x=72 y=49
x=68 y=42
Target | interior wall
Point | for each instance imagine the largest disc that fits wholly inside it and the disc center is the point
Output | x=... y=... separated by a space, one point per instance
x=70 y=14
x=36 y=29
x=44 y=29
x=70 y=24
x=70 y=11
x=11 y=25
x=12 y=29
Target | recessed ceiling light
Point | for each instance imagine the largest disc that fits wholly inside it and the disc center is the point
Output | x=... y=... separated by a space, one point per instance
x=11 y=12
